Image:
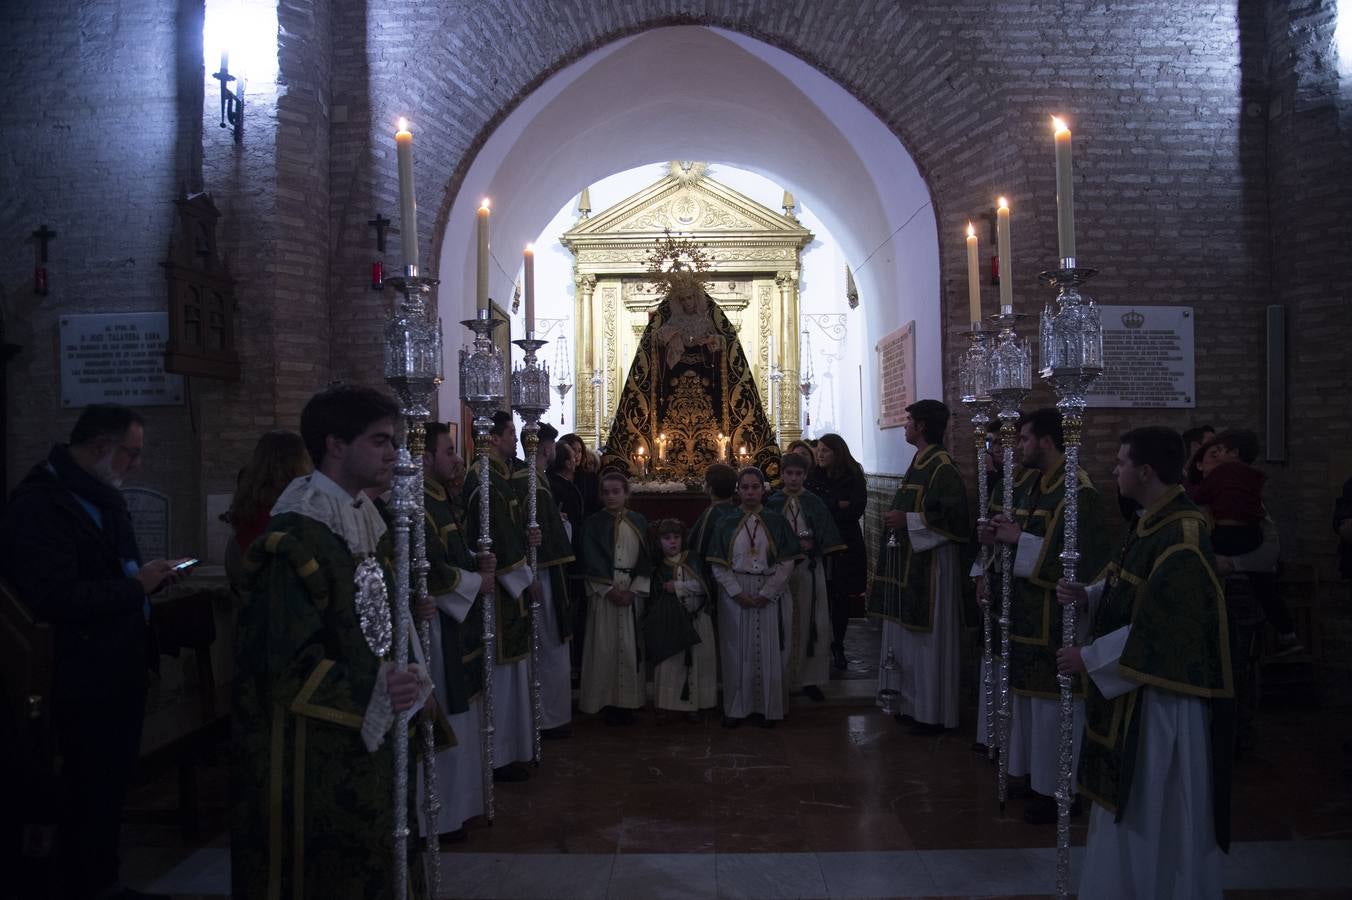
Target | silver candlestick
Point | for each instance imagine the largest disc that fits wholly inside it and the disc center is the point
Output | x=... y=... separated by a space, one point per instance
x=1072 y=358
x=975 y=378
x=413 y=369
x=1011 y=379
x=530 y=400
x=481 y=389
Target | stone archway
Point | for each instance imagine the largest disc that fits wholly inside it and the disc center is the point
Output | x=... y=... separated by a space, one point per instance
x=734 y=99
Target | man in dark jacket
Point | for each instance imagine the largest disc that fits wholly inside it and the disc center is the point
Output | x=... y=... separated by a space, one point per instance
x=67 y=546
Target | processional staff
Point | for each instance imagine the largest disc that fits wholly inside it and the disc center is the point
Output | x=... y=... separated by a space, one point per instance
x=530 y=400
x=482 y=390
x=1072 y=358
x=413 y=370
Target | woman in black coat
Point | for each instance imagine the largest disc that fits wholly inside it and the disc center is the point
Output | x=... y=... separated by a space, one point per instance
x=839 y=481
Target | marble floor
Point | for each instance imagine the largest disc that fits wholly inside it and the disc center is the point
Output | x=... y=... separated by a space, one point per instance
x=838 y=801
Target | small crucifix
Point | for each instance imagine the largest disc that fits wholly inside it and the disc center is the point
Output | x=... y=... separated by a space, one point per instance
x=381 y=225
x=41 y=238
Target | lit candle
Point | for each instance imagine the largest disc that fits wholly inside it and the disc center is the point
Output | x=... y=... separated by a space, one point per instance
x=662 y=448
x=1002 y=243
x=530 y=288
x=973 y=278
x=481 y=286
x=1065 y=205
x=408 y=206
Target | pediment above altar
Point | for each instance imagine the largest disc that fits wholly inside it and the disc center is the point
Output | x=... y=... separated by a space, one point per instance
x=739 y=233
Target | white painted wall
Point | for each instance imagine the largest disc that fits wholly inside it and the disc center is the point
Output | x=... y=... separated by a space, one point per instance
x=740 y=104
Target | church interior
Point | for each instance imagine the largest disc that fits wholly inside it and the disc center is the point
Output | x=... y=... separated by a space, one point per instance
x=206 y=219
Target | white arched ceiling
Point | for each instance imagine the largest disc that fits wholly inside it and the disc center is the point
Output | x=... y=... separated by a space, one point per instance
x=701 y=93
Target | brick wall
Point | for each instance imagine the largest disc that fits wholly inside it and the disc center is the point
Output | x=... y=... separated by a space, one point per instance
x=1206 y=143
x=95 y=145
x=1305 y=109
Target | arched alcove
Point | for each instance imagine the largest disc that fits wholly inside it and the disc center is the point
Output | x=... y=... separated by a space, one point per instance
x=701 y=93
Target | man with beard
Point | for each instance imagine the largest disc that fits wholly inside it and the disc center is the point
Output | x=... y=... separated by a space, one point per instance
x=69 y=550
x=917 y=577
x=1037 y=535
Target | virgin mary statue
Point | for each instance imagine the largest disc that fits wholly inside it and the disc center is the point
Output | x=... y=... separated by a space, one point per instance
x=689 y=399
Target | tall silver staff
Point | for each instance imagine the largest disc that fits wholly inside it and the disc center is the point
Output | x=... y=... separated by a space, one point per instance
x=1011 y=379
x=481 y=388
x=530 y=400
x=1072 y=358
x=413 y=371
x=974 y=376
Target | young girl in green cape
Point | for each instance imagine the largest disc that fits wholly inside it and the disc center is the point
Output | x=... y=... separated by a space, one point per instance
x=678 y=632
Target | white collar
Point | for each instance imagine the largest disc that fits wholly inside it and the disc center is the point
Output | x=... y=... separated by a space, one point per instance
x=317 y=496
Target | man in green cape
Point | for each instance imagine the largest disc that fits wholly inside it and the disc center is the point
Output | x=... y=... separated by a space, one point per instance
x=1036 y=532
x=1157 y=742
x=807 y=621
x=551 y=585
x=917 y=587
x=513 y=724
x=456 y=582
x=315 y=692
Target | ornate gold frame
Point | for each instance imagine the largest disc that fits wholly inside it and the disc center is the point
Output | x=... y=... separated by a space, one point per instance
x=755 y=274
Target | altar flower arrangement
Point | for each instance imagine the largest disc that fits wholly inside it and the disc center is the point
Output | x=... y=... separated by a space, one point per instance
x=661 y=487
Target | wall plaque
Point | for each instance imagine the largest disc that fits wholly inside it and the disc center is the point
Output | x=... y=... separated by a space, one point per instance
x=1147 y=357
x=150 y=520
x=896 y=365
x=117 y=358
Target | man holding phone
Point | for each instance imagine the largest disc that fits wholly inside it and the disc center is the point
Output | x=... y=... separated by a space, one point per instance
x=67 y=546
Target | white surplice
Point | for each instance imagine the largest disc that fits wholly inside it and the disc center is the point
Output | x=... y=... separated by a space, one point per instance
x=929 y=659
x=671 y=675
x=1034 y=741
x=556 y=664
x=1165 y=845
x=513 y=723
x=459 y=768
x=611 y=675
x=752 y=641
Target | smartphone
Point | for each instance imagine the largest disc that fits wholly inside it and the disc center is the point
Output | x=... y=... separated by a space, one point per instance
x=186 y=565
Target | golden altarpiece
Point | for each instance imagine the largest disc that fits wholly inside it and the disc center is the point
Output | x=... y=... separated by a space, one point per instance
x=753 y=280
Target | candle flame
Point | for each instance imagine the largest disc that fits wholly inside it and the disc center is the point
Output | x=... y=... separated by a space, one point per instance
x=530 y=248
x=1059 y=124
x=1002 y=203
x=971 y=232
x=484 y=205
x=403 y=124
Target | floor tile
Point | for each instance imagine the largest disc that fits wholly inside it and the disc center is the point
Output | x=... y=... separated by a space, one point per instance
x=884 y=874
x=556 y=875
x=769 y=875
x=474 y=875
x=1002 y=871
x=1288 y=864
x=657 y=876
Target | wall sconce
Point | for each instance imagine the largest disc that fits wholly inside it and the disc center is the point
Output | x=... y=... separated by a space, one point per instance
x=232 y=102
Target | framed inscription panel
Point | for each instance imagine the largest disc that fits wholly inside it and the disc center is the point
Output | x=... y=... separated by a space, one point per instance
x=896 y=368
x=1147 y=358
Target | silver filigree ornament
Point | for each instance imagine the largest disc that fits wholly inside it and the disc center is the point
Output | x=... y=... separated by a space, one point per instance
x=373 y=607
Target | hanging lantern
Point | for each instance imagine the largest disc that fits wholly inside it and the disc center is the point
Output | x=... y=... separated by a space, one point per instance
x=889 y=685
